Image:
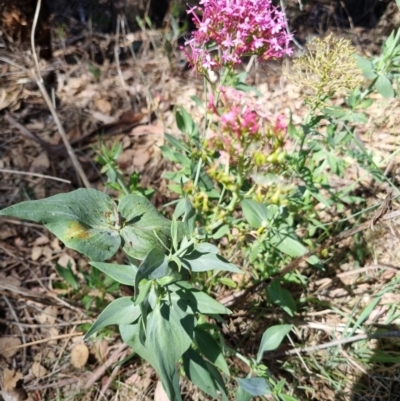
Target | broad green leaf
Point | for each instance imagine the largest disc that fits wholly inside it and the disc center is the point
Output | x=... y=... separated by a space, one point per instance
x=201 y=262
x=153 y=267
x=81 y=219
x=191 y=300
x=256 y=386
x=196 y=370
x=290 y=246
x=242 y=395
x=124 y=274
x=143 y=226
x=281 y=297
x=210 y=349
x=169 y=336
x=384 y=86
x=272 y=338
x=221 y=232
x=120 y=311
x=366 y=67
x=255 y=213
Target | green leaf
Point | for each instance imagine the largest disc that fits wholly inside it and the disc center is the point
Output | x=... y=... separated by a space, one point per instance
x=120 y=311
x=201 y=262
x=153 y=267
x=169 y=336
x=281 y=297
x=143 y=226
x=68 y=275
x=272 y=338
x=384 y=86
x=242 y=395
x=255 y=213
x=80 y=219
x=124 y=274
x=200 y=373
x=223 y=230
x=177 y=143
x=256 y=386
x=185 y=122
x=366 y=67
x=191 y=300
x=210 y=349
x=289 y=246
x=144 y=290
x=398 y=4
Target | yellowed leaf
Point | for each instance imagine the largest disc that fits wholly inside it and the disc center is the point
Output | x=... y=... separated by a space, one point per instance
x=79 y=355
x=8 y=346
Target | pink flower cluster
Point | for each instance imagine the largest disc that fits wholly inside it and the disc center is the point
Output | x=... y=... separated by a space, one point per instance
x=237 y=28
x=241 y=127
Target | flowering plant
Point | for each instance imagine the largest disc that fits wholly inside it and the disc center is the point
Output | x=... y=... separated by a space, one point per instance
x=238 y=28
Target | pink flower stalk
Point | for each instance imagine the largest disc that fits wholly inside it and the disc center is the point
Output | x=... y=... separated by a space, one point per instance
x=237 y=28
x=241 y=127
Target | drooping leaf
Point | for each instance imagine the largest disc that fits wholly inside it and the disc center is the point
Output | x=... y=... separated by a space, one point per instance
x=210 y=349
x=272 y=338
x=143 y=226
x=281 y=297
x=191 y=300
x=80 y=219
x=201 y=262
x=124 y=274
x=200 y=373
x=120 y=311
x=256 y=386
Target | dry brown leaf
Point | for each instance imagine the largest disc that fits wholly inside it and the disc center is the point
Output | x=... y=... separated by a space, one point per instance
x=141 y=382
x=36 y=253
x=100 y=350
x=79 y=355
x=64 y=259
x=8 y=346
x=103 y=106
x=38 y=370
x=159 y=393
x=103 y=118
x=40 y=164
x=48 y=316
x=42 y=240
x=10 y=379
